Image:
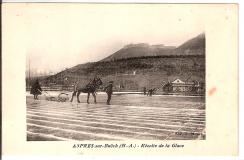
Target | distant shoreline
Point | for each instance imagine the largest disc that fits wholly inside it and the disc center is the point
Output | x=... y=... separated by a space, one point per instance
x=124 y=93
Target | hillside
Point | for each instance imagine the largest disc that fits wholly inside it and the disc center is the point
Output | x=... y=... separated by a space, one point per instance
x=142 y=65
x=194 y=46
x=135 y=73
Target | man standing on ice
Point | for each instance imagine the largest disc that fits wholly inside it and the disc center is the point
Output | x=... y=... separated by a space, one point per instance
x=109 y=90
x=36 y=89
x=75 y=90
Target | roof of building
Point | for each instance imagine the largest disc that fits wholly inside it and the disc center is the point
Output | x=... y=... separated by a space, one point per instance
x=178 y=81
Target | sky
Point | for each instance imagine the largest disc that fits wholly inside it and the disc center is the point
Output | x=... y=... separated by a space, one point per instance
x=59 y=36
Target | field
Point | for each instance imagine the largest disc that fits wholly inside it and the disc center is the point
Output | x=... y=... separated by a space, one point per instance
x=129 y=117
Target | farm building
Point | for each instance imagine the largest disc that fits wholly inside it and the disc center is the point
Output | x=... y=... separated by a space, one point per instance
x=178 y=85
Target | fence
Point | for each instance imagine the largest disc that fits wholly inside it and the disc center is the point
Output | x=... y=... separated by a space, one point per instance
x=54 y=88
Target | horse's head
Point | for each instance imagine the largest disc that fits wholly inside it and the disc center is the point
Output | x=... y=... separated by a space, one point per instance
x=98 y=82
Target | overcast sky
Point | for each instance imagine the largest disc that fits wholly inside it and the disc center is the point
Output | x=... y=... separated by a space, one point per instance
x=60 y=36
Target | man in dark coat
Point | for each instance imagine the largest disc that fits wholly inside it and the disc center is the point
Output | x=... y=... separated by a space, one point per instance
x=36 y=89
x=151 y=91
x=75 y=86
x=109 y=90
x=144 y=90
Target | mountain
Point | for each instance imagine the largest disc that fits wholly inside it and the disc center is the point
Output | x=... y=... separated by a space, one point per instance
x=140 y=50
x=142 y=65
x=194 y=46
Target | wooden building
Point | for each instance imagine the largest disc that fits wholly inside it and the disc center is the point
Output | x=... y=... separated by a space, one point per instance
x=178 y=85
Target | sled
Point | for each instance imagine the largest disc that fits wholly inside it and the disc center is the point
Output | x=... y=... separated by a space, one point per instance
x=62 y=97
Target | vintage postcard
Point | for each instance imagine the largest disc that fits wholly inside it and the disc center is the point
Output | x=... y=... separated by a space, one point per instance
x=128 y=79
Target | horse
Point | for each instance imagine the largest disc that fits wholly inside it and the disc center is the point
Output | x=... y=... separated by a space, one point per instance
x=90 y=88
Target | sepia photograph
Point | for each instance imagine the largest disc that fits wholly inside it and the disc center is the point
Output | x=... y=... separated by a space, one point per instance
x=126 y=77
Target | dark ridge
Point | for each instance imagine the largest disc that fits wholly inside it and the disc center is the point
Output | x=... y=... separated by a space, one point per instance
x=149 y=57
